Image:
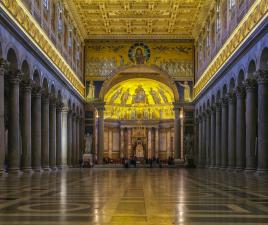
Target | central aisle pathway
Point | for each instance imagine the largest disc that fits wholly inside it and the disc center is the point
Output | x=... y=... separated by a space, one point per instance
x=134 y=197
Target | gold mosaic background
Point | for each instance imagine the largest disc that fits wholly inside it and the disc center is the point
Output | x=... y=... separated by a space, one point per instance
x=103 y=58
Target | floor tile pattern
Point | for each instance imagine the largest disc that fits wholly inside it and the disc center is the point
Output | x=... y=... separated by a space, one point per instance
x=134 y=197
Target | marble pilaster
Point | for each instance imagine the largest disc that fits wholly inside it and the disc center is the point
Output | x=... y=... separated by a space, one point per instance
x=36 y=129
x=200 y=140
x=240 y=128
x=64 y=136
x=74 y=136
x=204 y=135
x=156 y=150
x=196 y=141
x=78 y=150
x=13 y=155
x=218 y=135
x=2 y=114
x=212 y=136
x=100 y=107
x=59 y=108
x=45 y=131
x=122 y=142
x=224 y=133
x=251 y=123
x=128 y=143
x=70 y=139
x=177 y=139
x=110 y=145
x=26 y=159
x=231 y=130
x=149 y=143
x=52 y=133
x=208 y=129
x=262 y=78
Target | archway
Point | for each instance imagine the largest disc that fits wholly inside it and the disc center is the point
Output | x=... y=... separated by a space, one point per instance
x=139 y=114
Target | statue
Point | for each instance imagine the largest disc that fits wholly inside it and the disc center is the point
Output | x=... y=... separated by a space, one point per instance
x=88 y=143
x=125 y=97
x=187 y=97
x=139 y=56
x=139 y=150
x=122 y=61
x=155 y=96
x=140 y=96
x=91 y=91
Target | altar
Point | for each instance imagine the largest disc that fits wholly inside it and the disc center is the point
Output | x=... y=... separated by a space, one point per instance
x=139 y=150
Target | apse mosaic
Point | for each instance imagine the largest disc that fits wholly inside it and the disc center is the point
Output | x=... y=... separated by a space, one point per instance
x=137 y=98
x=104 y=58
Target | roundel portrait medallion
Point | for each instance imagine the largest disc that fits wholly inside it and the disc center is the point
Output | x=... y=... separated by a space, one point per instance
x=139 y=53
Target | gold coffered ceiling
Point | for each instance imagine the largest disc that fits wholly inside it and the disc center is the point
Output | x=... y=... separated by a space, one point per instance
x=178 y=19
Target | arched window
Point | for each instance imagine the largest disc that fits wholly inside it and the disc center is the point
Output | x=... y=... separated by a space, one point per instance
x=218 y=17
x=231 y=3
x=60 y=23
x=46 y=4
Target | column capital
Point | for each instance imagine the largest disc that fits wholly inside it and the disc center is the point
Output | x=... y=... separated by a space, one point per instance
x=240 y=91
x=27 y=84
x=45 y=96
x=99 y=105
x=36 y=90
x=250 y=85
x=262 y=76
x=52 y=100
x=14 y=76
x=176 y=106
x=224 y=101
x=73 y=115
x=231 y=98
x=3 y=67
x=212 y=107
x=59 y=106
x=218 y=106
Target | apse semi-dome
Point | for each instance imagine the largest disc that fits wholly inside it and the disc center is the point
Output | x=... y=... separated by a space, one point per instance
x=139 y=98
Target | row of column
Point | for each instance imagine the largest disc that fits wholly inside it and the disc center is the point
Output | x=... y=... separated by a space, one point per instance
x=152 y=152
x=233 y=132
x=36 y=143
x=75 y=139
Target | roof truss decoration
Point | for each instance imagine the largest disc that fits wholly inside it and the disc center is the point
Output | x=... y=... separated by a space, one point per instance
x=136 y=19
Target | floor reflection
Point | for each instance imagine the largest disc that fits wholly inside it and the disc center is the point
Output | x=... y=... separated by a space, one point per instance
x=134 y=196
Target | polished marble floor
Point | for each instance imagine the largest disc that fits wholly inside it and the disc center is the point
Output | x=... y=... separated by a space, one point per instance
x=134 y=197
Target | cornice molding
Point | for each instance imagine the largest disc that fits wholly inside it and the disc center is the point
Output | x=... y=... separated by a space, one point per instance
x=17 y=12
x=257 y=13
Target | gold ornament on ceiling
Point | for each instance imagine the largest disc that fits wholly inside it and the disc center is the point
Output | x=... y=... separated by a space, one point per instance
x=138 y=18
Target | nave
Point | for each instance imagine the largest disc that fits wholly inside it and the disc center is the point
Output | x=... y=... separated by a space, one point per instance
x=143 y=196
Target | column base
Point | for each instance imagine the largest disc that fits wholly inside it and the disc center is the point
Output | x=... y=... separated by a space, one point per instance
x=53 y=168
x=262 y=172
x=239 y=169
x=14 y=171
x=27 y=170
x=2 y=172
x=37 y=169
x=250 y=170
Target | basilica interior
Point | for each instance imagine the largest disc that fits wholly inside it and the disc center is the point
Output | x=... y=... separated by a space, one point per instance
x=123 y=112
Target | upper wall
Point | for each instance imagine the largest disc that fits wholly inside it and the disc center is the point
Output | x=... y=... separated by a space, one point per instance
x=210 y=63
x=173 y=58
x=222 y=19
x=55 y=20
